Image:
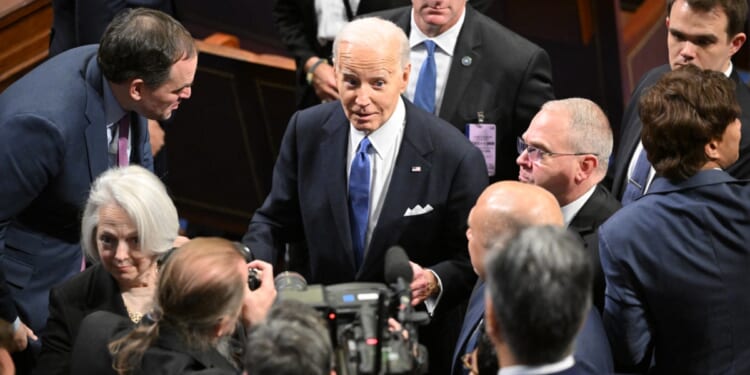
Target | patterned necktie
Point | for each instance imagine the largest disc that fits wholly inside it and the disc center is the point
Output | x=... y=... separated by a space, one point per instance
x=122 y=141
x=424 y=96
x=638 y=180
x=359 y=198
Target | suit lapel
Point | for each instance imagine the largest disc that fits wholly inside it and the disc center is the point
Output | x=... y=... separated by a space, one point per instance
x=96 y=130
x=468 y=45
x=410 y=177
x=585 y=220
x=334 y=154
x=474 y=314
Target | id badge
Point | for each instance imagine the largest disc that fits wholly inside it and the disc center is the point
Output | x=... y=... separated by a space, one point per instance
x=484 y=137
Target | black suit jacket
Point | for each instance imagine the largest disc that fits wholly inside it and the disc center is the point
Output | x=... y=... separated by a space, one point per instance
x=167 y=355
x=508 y=79
x=92 y=290
x=630 y=133
x=308 y=200
x=298 y=27
x=600 y=206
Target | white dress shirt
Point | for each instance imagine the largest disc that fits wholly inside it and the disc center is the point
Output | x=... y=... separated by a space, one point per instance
x=113 y=112
x=331 y=16
x=445 y=44
x=571 y=209
x=551 y=368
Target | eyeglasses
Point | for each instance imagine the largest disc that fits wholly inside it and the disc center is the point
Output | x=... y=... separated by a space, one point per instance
x=536 y=154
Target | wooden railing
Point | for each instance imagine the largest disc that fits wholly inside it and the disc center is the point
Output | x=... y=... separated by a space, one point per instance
x=24 y=37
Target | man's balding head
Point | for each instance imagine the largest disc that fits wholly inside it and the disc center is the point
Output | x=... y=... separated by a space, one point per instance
x=502 y=210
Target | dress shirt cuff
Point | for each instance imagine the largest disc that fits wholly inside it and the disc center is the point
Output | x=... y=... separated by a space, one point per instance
x=431 y=303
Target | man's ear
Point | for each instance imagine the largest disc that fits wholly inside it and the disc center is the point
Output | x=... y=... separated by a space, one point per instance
x=712 y=149
x=136 y=88
x=737 y=41
x=587 y=166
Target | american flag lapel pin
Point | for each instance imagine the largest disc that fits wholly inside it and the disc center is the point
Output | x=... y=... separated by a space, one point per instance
x=416 y=169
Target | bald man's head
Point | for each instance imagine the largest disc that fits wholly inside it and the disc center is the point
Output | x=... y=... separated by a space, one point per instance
x=503 y=209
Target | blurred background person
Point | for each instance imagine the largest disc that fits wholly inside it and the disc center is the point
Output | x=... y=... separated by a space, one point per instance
x=128 y=222
x=202 y=299
x=534 y=317
x=481 y=77
x=293 y=340
x=677 y=258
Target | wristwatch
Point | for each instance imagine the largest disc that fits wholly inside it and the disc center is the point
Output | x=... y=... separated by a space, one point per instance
x=309 y=76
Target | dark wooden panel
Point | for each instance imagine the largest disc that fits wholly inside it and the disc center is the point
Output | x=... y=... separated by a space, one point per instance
x=224 y=141
x=24 y=37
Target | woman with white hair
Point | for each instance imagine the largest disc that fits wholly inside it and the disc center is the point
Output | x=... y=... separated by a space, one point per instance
x=128 y=222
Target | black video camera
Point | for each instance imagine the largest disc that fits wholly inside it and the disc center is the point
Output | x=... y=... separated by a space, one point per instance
x=357 y=316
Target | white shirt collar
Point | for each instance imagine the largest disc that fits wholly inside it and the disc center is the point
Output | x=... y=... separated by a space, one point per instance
x=728 y=72
x=571 y=209
x=551 y=368
x=446 y=41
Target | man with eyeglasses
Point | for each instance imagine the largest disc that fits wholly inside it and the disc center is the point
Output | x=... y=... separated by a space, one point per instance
x=565 y=150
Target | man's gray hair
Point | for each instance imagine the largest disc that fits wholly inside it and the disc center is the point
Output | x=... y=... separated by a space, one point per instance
x=375 y=32
x=589 y=129
x=540 y=288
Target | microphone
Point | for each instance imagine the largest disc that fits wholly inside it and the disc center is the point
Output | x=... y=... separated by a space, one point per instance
x=397 y=265
x=398 y=274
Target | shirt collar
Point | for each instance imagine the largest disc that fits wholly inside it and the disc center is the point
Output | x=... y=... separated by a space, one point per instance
x=551 y=368
x=728 y=72
x=384 y=138
x=571 y=209
x=113 y=111
x=446 y=41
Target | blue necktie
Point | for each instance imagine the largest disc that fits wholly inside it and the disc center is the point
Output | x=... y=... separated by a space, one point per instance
x=638 y=179
x=424 y=96
x=359 y=198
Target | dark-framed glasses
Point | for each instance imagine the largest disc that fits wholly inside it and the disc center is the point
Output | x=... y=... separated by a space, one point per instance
x=536 y=154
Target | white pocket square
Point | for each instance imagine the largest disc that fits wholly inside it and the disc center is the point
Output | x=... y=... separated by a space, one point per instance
x=418 y=210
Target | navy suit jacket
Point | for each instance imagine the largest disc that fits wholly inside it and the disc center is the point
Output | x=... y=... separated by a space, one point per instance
x=308 y=200
x=630 y=133
x=81 y=22
x=676 y=262
x=53 y=144
x=507 y=78
x=591 y=347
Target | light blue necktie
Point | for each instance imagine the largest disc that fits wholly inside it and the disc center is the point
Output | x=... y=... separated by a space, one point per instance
x=359 y=198
x=638 y=179
x=424 y=96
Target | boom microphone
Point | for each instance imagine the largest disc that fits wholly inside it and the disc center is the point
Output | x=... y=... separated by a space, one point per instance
x=397 y=265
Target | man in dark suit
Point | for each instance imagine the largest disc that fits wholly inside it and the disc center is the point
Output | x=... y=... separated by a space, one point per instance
x=298 y=21
x=533 y=317
x=81 y=22
x=702 y=33
x=63 y=111
x=566 y=150
x=676 y=259
x=504 y=209
x=485 y=74
x=422 y=178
